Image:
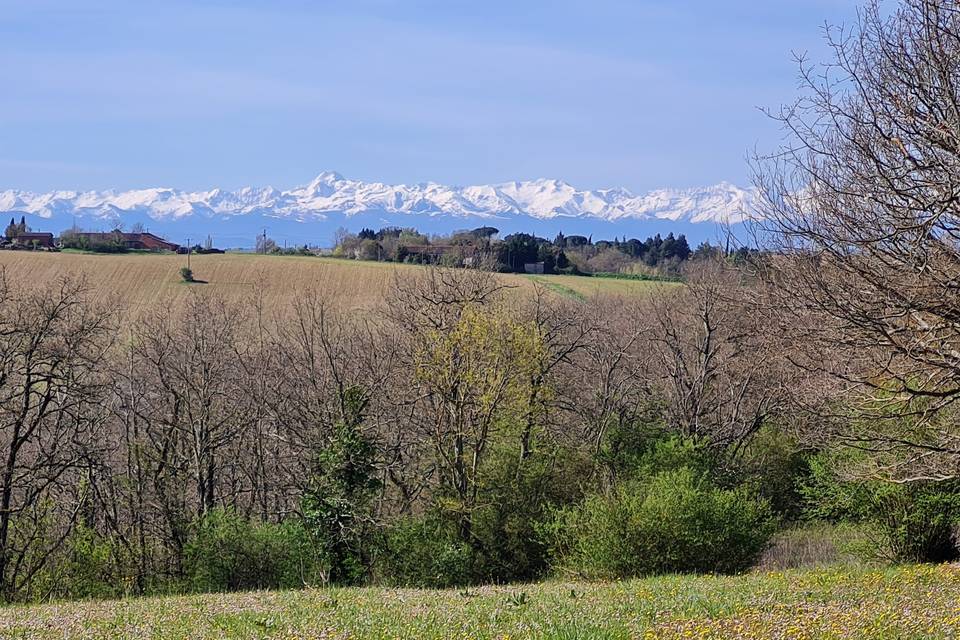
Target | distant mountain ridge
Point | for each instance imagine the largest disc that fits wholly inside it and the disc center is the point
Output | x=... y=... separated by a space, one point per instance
x=330 y=199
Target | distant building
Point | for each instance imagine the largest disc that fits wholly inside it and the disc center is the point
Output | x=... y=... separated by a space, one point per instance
x=435 y=250
x=143 y=241
x=533 y=267
x=32 y=239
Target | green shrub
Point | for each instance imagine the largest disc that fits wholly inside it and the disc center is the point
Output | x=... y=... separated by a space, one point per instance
x=919 y=521
x=92 y=566
x=516 y=497
x=777 y=465
x=86 y=565
x=675 y=521
x=626 y=445
x=186 y=274
x=229 y=553
x=675 y=453
x=914 y=522
x=644 y=448
x=424 y=552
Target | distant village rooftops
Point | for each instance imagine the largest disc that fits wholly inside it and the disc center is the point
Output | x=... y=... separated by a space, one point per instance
x=33 y=239
x=142 y=240
x=18 y=235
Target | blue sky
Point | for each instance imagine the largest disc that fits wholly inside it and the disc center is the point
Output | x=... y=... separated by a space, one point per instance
x=641 y=94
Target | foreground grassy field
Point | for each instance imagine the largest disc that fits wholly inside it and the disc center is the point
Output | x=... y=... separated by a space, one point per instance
x=141 y=279
x=903 y=602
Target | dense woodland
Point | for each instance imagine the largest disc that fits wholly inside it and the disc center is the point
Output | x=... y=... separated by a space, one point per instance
x=465 y=433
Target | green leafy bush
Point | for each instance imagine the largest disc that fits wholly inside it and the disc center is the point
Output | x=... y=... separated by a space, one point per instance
x=186 y=274
x=424 y=552
x=87 y=565
x=675 y=521
x=229 y=553
x=516 y=497
x=913 y=522
x=777 y=465
x=919 y=521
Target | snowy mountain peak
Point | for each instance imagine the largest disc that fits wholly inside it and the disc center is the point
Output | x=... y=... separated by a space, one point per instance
x=330 y=198
x=328 y=178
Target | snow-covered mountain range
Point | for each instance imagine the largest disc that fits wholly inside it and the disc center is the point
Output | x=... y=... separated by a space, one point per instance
x=310 y=213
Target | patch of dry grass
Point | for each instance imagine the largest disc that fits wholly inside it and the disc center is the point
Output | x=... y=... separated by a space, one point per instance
x=815 y=545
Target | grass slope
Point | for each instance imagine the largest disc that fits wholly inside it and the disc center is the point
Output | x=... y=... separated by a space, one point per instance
x=903 y=602
x=139 y=279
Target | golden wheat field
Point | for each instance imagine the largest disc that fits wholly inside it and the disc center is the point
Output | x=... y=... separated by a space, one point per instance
x=143 y=280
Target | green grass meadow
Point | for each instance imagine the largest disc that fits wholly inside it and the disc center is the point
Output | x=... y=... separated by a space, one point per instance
x=900 y=602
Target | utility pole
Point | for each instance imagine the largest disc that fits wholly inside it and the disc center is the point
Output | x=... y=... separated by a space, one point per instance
x=189 y=248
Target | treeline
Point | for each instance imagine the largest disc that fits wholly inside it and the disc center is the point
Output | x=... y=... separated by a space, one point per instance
x=462 y=433
x=522 y=252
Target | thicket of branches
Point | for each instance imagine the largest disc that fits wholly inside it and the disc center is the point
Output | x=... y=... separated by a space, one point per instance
x=459 y=404
x=862 y=208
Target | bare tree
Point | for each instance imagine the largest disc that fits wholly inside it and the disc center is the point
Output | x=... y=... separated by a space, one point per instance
x=607 y=386
x=195 y=395
x=712 y=363
x=52 y=343
x=324 y=358
x=862 y=206
x=562 y=329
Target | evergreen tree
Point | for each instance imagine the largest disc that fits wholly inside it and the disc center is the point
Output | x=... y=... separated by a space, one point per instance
x=706 y=250
x=336 y=507
x=518 y=249
x=667 y=249
x=634 y=248
x=682 y=248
